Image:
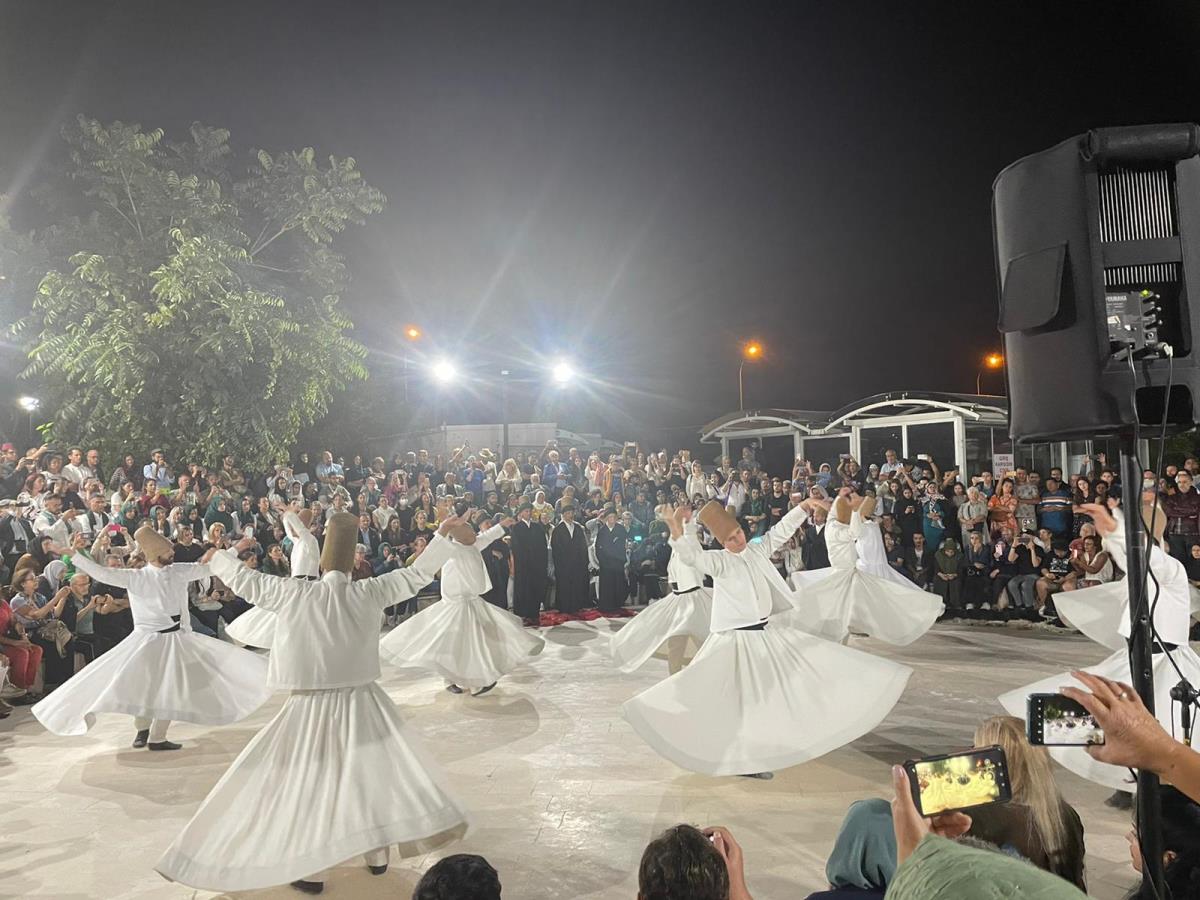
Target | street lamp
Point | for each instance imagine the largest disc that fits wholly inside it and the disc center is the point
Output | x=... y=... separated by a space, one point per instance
x=992 y=361
x=444 y=371
x=30 y=406
x=412 y=334
x=752 y=351
x=563 y=373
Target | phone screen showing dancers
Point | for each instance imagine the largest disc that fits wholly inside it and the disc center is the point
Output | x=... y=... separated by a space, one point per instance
x=959 y=780
x=1053 y=720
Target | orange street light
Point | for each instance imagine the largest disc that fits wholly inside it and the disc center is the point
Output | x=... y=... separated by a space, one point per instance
x=751 y=351
x=412 y=332
x=991 y=361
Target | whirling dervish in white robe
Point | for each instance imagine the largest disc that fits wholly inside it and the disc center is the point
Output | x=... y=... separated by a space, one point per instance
x=860 y=593
x=1102 y=613
x=761 y=694
x=469 y=642
x=162 y=671
x=256 y=627
x=669 y=625
x=335 y=773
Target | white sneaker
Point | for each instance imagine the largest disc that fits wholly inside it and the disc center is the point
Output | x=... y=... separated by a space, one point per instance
x=986 y=606
x=970 y=606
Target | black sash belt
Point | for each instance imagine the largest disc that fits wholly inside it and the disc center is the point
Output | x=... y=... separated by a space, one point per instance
x=174 y=627
x=680 y=593
x=761 y=626
x=1159 y=648
x=307 y=577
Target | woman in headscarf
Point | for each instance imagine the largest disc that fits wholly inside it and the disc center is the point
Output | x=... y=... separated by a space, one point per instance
x=218 y=512
x=863 y=860
x=934 y=518
x=52 y=578
x=1037 y=823
x=35 y=560
x=908 y=514
x=948 y=569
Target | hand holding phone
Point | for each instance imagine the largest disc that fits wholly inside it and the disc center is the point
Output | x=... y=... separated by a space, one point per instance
x=952 y=782
x=1053 y=720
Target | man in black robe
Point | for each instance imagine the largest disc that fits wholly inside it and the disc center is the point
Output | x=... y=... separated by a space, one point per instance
x=612 y=554
x=569 y=546
x=530 y=553
x=496 y=559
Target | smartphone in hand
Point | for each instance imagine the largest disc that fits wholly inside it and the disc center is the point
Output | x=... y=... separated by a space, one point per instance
x=958 y=781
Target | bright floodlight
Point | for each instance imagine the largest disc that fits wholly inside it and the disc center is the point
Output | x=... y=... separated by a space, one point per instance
x=562 y=373
x=444 y=371
x=412 y=332
x=29 y=404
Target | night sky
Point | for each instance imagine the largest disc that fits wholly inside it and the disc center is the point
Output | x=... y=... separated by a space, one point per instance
x=638 y=186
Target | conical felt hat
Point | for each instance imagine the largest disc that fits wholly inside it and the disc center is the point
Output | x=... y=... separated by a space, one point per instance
x=306 y=516
x=463 y=533
x=151 y=543
x=717 y=519
x=341 y=537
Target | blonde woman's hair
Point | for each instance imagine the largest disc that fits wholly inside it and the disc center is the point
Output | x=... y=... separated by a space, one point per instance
x=1031 y=778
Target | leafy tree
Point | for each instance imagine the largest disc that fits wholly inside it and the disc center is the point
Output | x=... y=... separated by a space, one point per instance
x=191 y=303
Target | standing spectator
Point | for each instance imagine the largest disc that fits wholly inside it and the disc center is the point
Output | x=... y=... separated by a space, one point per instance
x=1028 y=495
x=1054 y=509
x=530 y=555
x=569 y=548
x=156 y=470
x=1002 y=507
x=1182 y=508
x=891 y=464
x=556 y=475
x=612 y=545
x=973 y=514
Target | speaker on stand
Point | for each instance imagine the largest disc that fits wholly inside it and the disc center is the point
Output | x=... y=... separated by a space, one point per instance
x=1097 y=243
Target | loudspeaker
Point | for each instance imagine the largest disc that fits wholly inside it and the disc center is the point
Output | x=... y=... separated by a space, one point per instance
x=1097 y=241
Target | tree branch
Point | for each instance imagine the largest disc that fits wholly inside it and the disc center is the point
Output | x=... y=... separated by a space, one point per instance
x=263 y=246
x=132 y=205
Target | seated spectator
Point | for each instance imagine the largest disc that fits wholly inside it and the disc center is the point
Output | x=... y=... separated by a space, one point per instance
x=1027 y=569
x=977 y=573
x=863 y=859
x=933 y=866
x=463 y=876
x=24 y=656
x=1057 y=575
x=685 y=863
x=919 y=561
x=949 y=569
x=1037 y=823
x=1181 y=847
x=41 y=619
x=1092 y=564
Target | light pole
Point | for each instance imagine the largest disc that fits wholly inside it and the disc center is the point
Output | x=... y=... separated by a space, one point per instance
x=30 y=405
x=992 y=361
x=751 y=352
x=412 y=334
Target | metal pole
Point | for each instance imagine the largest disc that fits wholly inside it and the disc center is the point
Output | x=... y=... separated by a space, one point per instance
x=1141 y=660
x=504 y=412
x=741 y=401
x=978 y=377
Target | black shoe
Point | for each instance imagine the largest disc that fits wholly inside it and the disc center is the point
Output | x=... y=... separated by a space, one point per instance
x=1120 y=800
x=454 y=689
x=309 y=887
x=28 y=699
x=762 y=776
x=165 y=745
x=140 y=741
x=378 y=870
x=483 y=690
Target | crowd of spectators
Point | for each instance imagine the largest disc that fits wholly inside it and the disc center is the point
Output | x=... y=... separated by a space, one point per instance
x=998 y=545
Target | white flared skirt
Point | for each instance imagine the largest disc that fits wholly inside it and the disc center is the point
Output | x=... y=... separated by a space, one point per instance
x=181 y=676
x=469 y=642
x=757 y=701
x=254 y=628
x=1096 y=611
x=334 y=774
x=675 y=615
x=842 y=601
x=1115 y=667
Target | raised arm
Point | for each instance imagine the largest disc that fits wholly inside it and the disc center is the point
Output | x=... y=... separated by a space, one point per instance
x=268 y=591
x=105 y=575
x=782 y=531
x=402 y=584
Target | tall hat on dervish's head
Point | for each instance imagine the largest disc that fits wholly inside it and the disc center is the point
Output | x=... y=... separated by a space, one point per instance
x=1155 y=518
x=152 y=544
x=717 y=519
x=341 y=537
x=463 y=534
x=306 y=516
